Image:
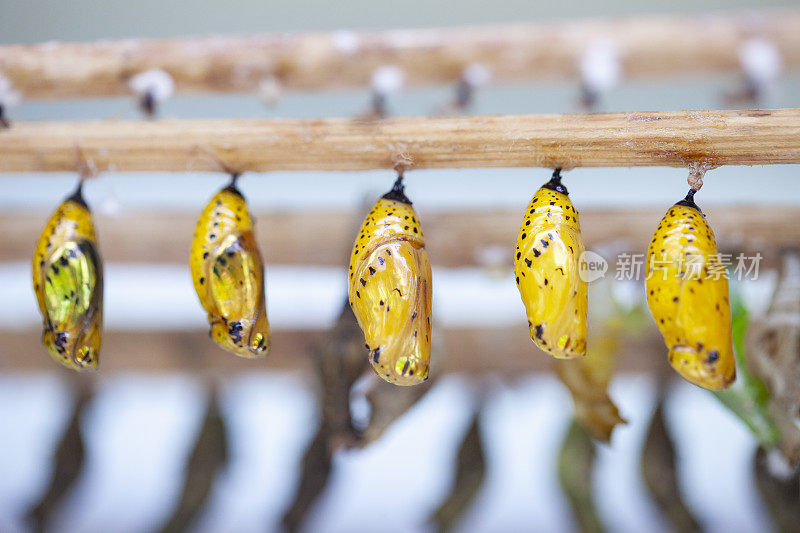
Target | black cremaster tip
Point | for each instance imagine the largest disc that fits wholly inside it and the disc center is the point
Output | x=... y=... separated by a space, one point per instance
x=398 y=192
x=689 y=200
x=232 y=185
x=77 y=195
x=555 y=183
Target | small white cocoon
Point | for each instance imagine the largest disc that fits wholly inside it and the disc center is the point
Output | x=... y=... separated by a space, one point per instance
x=387 y=79
x=8 y=96
x=760 y=61
x=476 y=74
x=269 y=90
x=346 y=42
x=158 y=83
x=600 y=66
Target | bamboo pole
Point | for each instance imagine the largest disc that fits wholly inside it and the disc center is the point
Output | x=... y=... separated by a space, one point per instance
x=648 y=46
x=678 y=139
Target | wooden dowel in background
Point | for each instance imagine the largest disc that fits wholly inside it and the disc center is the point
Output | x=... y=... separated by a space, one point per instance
x=648 y=46
x=454 y=238
x=507 y=351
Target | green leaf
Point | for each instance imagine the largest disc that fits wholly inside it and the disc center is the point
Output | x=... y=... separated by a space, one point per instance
x=748 y=397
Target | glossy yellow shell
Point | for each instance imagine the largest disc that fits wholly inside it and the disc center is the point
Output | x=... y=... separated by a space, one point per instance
x=228 y=275
x=390 y=290
x=68 y=282
x=690 y=307
x=546 y=268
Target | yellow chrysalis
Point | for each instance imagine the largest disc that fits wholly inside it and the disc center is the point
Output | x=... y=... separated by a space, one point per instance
x=68 y=282
x=546 y=266
x=390 y=289
x=228 y=275
x=687 y=291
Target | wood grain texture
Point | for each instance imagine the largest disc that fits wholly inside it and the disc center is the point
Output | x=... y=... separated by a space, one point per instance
x=648 y=46
x=676 y=139
x=453 y=238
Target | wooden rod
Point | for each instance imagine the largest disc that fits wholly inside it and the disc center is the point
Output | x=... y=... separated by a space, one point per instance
x=647 y=45
x=453 y=238
x=600 y=140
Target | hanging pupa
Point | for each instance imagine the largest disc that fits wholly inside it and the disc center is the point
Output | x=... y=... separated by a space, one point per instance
x=687 y=293
x=390 y=289
x=228 y=275
x=546 y=267
x=68 y=282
